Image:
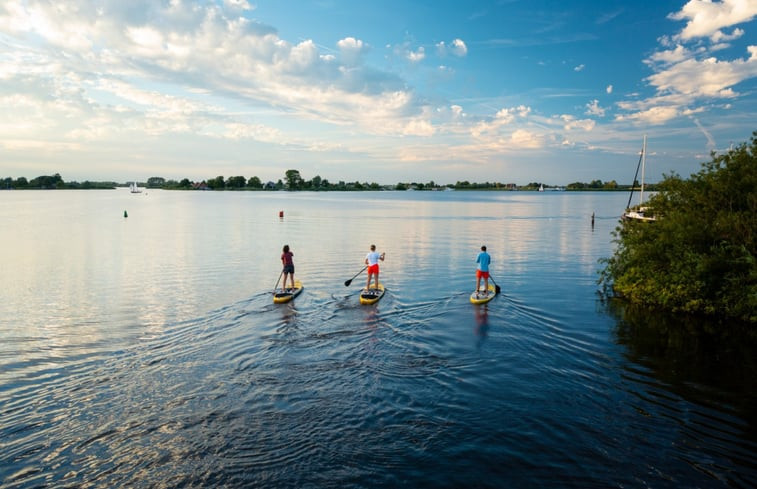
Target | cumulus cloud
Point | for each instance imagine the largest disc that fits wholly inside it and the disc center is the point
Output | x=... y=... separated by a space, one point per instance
x=240 y=5
x=608 y=89
x=579 y=67
x=706 y=18
x=704 y=78
x=593 y=108
x=206 y=49
x=685 y=76
x=416 y=56
x=523 y=138
x=457 y=48
x=570 y=123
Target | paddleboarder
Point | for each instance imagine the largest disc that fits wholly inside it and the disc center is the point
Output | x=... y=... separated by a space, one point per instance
x=371 y=260
x=482 y=270
x=286 y=260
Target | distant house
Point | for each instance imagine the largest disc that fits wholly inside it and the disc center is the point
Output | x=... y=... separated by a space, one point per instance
x=200 y=186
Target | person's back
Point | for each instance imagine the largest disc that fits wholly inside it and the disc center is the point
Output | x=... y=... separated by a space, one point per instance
x=482 y=269
x=371 y=260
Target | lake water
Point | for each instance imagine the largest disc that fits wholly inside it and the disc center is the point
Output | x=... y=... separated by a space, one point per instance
x=146 y=351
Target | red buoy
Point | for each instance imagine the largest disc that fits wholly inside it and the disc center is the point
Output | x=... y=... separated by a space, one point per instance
x=281 y=214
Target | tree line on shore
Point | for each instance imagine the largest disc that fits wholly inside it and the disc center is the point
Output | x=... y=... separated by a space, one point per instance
x=293 y=181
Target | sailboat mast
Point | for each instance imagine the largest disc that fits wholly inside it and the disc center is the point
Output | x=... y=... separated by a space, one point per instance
x=643 y=164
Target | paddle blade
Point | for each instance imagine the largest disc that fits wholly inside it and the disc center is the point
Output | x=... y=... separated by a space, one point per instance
x=497 y=289
x=347 y=282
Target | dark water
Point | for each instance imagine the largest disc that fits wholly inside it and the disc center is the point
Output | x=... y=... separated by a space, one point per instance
x=146 y=351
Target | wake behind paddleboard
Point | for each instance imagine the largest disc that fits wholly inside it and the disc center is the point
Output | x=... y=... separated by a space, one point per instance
x=481 y=297
x=285 y=295
x=371 y=296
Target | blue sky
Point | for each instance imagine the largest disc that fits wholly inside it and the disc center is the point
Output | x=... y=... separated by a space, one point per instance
x=392 y=91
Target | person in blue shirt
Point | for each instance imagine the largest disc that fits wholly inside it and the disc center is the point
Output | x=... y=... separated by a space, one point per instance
x=482 y=270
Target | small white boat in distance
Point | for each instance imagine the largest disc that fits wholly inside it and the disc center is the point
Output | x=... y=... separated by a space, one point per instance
x=134 y=188
x=638 y=213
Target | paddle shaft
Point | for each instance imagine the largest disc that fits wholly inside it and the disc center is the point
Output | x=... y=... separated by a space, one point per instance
x=348 y=282
x=497 y=289
x=277 y=282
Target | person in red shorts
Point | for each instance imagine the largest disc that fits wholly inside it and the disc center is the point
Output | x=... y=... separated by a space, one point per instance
x=482 y=270
x=372 y=259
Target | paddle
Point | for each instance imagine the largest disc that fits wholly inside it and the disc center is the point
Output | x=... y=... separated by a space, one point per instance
x=277 y=282
x=497 y=290
x=348 y=282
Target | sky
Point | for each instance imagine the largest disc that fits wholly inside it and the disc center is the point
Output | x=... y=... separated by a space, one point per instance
x=511 y=91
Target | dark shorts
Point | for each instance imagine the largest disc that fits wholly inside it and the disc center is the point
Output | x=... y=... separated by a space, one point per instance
x=288 y=268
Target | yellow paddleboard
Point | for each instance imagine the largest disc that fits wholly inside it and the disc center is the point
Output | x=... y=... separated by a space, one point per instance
x=371 y=296
x=481 y=297
x=286 y=295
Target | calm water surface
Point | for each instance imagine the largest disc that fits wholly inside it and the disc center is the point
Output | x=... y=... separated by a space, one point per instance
x=146 y=351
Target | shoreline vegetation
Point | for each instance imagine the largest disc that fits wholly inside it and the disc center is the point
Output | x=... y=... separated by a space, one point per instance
x=292 y=181
x=700 y=255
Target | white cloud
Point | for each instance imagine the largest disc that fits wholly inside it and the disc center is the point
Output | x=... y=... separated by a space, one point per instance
x=652 y=115
x=706 y=78
x=351 y=50
x=570 y=123
x=579 y=67
x=237 y=5
x=676 y=55
x=608 y=89
x=593 y=108
x=719 y=37
x=457 y=48
x=686 y=76
x=705 y=18
x=416 y=56
x=523 y=138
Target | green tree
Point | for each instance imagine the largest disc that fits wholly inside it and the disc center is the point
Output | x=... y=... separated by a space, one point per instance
x=294 y=180
x=254 y=182
x=217 y=183
x=699 y=255
x=236 y=182
x=316 y=182
x=47 y=181
x=156 y=182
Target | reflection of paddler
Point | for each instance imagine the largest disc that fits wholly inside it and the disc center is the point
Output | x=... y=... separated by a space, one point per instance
x=482 y=320
x=371 y=260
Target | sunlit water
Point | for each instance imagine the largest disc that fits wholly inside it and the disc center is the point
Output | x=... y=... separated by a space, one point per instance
x=146 y=351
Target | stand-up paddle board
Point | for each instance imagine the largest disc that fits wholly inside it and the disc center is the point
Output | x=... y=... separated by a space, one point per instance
x=482 y=297
x=286 y=295
x=371 y=296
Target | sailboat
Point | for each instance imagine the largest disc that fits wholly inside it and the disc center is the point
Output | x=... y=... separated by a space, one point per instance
x=638 y=212
x=134 y=188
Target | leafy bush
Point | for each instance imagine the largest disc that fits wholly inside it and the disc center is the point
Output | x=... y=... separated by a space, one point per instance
x=699 y=255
